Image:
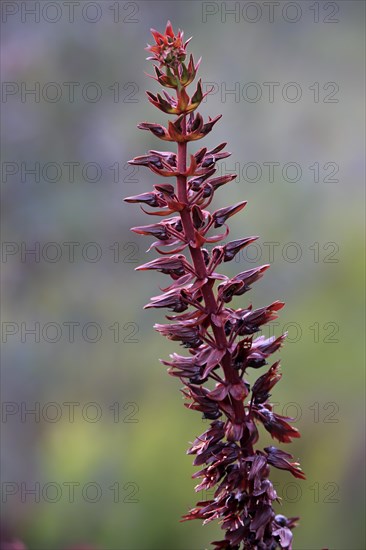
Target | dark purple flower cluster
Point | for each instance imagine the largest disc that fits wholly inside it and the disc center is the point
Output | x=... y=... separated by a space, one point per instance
x=221 y=341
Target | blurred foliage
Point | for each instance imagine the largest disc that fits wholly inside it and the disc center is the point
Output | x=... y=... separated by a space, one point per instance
x=151 y=452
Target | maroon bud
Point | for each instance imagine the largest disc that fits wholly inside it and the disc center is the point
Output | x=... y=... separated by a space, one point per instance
x=173 y=264
x=150 y=199
x=232 y=248
x=156 y=129
x=221 y=215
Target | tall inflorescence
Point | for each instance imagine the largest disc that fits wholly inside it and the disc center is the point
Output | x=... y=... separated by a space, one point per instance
x=220 y=340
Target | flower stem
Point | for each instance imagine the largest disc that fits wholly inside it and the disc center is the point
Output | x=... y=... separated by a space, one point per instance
x=231 y=375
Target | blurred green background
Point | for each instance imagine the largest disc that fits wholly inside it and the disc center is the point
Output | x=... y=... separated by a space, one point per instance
x=114 y=473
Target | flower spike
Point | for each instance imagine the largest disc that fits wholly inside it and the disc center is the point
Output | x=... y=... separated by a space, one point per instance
x=224 y=348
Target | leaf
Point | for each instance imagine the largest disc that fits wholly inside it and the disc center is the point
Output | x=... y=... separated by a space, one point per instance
x=219 y=393
x=183 y=100
x=212 y=361
x=239 y=391
x=198 y=95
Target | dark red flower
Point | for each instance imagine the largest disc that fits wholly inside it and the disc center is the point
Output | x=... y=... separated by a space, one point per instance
x=221 y=215
x=220 y=340
x=172 y=300
x=232 y=248
x=173 y=265
x=265 y=383
x=156 y=129
x=187 y=334
x=240 y=284
x=275 y=424
x=280 y=459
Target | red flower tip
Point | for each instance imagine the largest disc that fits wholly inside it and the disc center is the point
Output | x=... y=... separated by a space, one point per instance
x=169 y=29
x=169 y=48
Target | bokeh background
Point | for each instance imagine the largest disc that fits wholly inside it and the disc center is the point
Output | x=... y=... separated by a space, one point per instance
x=122 y=449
